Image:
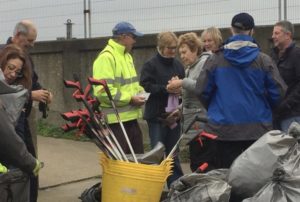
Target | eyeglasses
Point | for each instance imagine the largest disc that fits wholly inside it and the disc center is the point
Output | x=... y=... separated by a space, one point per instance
x=12 y=68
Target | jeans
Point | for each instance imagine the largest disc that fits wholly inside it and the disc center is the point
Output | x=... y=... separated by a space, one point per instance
x=285 y=124
x=161 y=133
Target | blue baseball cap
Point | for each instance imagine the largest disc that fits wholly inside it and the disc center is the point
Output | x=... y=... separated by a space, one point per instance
x=124 y=28
x=243 y=21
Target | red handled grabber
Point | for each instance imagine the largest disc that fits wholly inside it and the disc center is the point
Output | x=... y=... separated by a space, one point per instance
x=91 y=121
x=202 y=134
x=202 y=168
x=69 y=126
x=103 y=83
x=72 y=84
x=83 y=95
x=74 y=115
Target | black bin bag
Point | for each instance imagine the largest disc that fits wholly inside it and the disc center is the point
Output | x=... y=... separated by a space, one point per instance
x=254 y=168
x=284 y=186
x=92 y=194
x=14 y=186
x=204 y=187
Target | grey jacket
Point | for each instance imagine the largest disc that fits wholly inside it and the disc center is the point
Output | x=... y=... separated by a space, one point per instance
x=191 y=104
x=13 y=150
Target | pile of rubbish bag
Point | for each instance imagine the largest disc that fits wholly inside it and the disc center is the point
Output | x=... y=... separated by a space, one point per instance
x=268 y=171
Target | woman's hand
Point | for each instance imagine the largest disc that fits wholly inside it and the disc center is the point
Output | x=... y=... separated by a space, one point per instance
x=174 y=86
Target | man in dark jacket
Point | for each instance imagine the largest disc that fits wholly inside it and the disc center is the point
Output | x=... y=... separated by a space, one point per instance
x=287 y=57
x=240 y=86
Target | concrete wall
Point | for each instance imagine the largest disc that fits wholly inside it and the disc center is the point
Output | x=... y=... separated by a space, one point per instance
x=58 y=60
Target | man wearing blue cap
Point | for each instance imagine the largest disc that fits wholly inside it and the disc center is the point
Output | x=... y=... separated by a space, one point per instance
x=115 y=65
x=240 y=86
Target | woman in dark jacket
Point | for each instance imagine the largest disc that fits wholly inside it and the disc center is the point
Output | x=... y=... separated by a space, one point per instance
x=155 y=75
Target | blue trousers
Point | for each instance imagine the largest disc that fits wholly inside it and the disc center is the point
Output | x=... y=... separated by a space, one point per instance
x=161 y=133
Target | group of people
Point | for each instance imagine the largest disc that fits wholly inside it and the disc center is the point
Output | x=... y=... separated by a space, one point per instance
x=242 y=92
x=19 y=88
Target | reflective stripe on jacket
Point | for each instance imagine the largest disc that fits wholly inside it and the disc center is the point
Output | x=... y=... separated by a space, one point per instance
x=116 y=66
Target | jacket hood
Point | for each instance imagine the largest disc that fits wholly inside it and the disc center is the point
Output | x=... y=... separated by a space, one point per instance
x=12 y=98
x=240 y=50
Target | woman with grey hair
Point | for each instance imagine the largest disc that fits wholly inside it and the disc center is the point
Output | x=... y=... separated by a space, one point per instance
x=190 y=51
x=161 y=111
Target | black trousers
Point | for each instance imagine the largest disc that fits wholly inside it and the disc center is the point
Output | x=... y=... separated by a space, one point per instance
x=228 y=151
x=134 y=134
x=205 y=153
x=23 y=130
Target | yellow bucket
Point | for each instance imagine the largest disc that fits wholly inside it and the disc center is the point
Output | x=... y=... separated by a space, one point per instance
x=132 y=182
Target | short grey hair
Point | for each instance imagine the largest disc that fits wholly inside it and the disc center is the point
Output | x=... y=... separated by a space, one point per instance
x=21 y=28
x=286 y=26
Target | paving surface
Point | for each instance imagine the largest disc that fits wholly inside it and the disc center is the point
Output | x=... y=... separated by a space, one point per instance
x=70 y=168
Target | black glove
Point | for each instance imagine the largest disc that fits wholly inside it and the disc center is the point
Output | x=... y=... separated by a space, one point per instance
x=43 y=107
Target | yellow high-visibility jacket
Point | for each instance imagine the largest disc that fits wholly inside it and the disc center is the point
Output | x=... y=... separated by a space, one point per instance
x=116 y=66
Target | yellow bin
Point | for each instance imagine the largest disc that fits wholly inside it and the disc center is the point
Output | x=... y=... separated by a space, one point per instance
x=131 y=182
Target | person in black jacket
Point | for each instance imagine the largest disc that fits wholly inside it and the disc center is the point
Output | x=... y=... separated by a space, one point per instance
x=155 y=75
x=286 y=55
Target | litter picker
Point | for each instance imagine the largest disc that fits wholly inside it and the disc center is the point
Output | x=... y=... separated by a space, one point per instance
x=103 y=83
x=95 y=127
x=203 y=134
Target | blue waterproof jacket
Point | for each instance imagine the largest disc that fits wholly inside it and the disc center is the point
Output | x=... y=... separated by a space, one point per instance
x=240 y=86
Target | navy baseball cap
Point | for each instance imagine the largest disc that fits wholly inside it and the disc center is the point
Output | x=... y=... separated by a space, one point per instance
x=124 y=28
x=243 y=21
